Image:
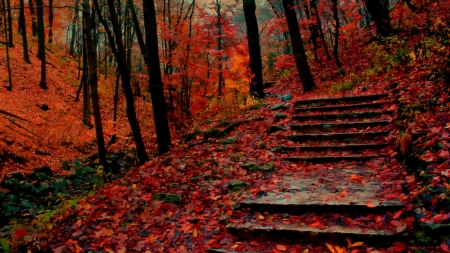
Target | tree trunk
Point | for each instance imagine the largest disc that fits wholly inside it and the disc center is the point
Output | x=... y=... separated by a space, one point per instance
x=10 y=29
x=315 y=12
x=221 y=81
x=379 y=11
x=336 y=36
x=5 y=28
x=23 y=30
x=93 y=83
x=74 y=26
x=297 y=46
x=85 y=80
x=33 y=18
x=50 y=21
x=156 y=84
x=254 y=49
x=313 y=29
x=41 y=42
x=118 y=49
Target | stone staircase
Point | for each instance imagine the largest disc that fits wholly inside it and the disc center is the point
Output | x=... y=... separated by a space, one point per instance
x=346 y=137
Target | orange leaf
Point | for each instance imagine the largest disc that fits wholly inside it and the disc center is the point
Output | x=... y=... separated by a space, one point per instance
x=330 y=247
x=356 y=244
x=281 y=247
x=397 y=214
x=370 y=204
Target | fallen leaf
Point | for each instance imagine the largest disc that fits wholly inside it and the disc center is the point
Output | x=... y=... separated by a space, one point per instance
x=370 y=204
x=281 y=247
x=331 y=248
x=356 y=244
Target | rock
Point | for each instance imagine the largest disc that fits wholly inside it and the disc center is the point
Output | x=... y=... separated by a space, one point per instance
x=279 y=116
x=236 y=185
x=46 y=170
x=286 y=97
x=279 y=107
x=212 y=133
x=269 y=167
x=167 y=197
x=277 y=149
x=229 y=140
x=256 y=106
x=273 y=128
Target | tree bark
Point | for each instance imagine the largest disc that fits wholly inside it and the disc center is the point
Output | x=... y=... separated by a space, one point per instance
x=118 y=49
x=23 y=30
x=10 y=28
x=336 y=36
x=74 y=26
x=221 y=81
x=156 y=84
x=379 y=12
x=50 y=21
x=93 y=84
x=313 y=29
x=4 y=22
x=33 y=18
x=254 y=49
x=41 y=42
x=297 y=46
x=319 y=25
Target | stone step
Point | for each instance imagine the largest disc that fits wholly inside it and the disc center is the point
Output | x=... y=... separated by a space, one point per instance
x=339 y=137
x=340 y=100
x=341 y=147
x=299 y=232
x=341 y=116
x=341 y=107
x=329 y=158
x=333 y=126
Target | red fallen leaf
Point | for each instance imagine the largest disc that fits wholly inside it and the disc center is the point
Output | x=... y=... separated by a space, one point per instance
x=286 y=222
x=281 y=247
x=370 y=204
x=122 y=237
x=397 y=214
x=436 y=129
x=19 y=233
x=287 y=196
x=444 y=247
x=378 y=219
x=186 y=227
x=395 y=223
x=59 y=249
x=444 y=154
x=398 y=247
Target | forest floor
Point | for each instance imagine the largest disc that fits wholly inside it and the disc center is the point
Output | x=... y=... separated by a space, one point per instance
x=181 y=201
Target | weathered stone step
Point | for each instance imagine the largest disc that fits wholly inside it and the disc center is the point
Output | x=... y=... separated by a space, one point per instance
x=340 y=100
x=349 y=146
x=329 y=158
x=341 y=116
x=341 y=107
x=300 y=232
x=339 y=137
x=333 y=126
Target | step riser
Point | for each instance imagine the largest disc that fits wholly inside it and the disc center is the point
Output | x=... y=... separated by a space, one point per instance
x=313 y=237
x=317 y=128
x=341 y=100
x=330 y=159
x=371 y=147
x=340 y=108
x=351 y=137
x=352 y=116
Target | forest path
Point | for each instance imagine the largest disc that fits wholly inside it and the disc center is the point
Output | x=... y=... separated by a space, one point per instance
x=349 y=196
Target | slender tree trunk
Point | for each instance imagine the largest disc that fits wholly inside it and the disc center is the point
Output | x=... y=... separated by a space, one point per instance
x=315 y=12
x=156 y=84
x=85 y=80
x=41 y=42
x=50 y=21
x=74 y=27
x=221 y=81
x=118 y=48
x=336 y=36
x=313 y=29
x=6 y=29
x=23 y=30
x=33 y=18
x=254 y=49
x=297 y=46
x=379 y=11
x=93 y=84
x=10 y=28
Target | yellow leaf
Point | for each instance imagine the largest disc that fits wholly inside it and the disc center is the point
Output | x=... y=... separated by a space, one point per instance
x=234 y=246
x=260 y=217
x=306 y=251
x=134 y=186
x=330 y=247
x=340 y=250
x=356 y=244
x=195 y=233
